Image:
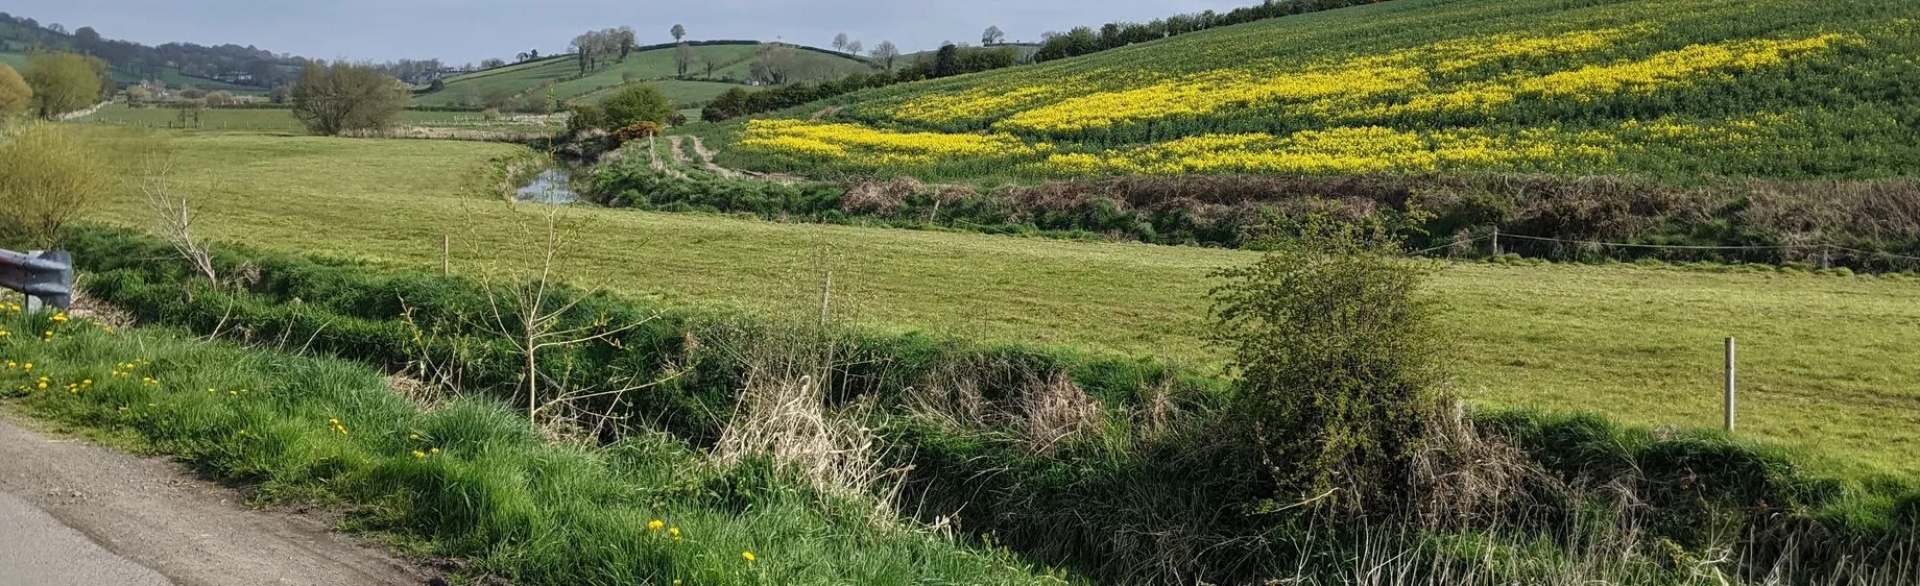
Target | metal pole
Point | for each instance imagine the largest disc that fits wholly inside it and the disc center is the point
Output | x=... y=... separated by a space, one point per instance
x=446 y=255
x=1730 y=384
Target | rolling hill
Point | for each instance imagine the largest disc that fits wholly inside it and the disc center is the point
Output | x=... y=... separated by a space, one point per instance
x=732 y=63
x=1772 y=88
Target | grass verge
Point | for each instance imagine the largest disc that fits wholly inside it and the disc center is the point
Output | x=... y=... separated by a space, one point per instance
x=467 y=478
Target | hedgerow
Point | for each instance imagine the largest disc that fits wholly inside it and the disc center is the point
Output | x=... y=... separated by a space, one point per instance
x=1122 y=468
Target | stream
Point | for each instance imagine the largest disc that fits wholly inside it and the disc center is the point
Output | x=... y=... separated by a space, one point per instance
x=551 y=187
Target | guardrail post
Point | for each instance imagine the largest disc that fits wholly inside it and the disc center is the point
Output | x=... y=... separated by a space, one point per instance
x=45 y=277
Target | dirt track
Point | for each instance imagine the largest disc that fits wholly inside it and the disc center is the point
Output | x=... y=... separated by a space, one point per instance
x=151 y=518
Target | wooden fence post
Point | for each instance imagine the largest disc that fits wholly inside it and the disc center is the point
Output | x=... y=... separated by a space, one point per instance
x=1730 y=385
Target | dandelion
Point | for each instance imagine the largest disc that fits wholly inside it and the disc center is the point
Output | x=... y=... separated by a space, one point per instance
x=748 y=555
x=655 y=525
x=434 y=451
x=418 y=455
x=674 y=532
x=413 y=437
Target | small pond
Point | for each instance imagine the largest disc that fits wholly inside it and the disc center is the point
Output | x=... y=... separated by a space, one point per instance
x=550 y=187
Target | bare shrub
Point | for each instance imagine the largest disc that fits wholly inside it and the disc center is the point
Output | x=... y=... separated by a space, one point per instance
x=879 y=197
x=1462 y=476
x=783 y=415
x=1054 y=410
x=175 y=221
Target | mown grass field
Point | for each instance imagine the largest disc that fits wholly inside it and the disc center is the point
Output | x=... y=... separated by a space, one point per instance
x=656 y=66
x=1825 y=362
x=1776 y=88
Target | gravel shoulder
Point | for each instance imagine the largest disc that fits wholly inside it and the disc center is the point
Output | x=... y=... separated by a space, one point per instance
x=72 y=512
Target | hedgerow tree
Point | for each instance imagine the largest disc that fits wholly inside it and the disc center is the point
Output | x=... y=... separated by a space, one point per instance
x=636 y=103
x=331 y=99
x=15 y=94
x=62 y=83
x=47 y=180
x=1338 y=359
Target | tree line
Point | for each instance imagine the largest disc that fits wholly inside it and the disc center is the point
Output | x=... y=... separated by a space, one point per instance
x=1084 y=40
x=54 y=84
x=265 y=67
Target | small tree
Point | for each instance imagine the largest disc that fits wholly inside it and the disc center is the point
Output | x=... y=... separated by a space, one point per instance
x=679 y=32
x=854 y=47
x=47 y=180
x=1338 y=358
x=62 y=83
x=683 y=58
x=331 y=99
x=636 y=103
x=840 y=42
x=15 y=94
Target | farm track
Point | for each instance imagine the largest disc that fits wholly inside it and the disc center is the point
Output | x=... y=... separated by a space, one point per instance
x=706 y=159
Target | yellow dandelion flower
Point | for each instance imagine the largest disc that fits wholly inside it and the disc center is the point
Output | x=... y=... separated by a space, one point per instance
x=417 y=454
x=655 y=525
x=748 y=555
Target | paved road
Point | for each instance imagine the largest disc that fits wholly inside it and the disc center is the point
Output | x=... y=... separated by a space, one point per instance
x=37 y=550
x=75 y=513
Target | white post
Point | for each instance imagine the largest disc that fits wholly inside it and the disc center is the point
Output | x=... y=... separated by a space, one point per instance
x=1730 y=384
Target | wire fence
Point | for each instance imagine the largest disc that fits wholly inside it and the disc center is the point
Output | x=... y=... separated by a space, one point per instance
x=1827 y=255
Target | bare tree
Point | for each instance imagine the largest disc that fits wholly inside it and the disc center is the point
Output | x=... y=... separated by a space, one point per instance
x=993 y=36
x=840 y=42
x=854 y=48
x=886 y=53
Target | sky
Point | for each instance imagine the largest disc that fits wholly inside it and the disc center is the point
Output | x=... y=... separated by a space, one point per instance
x=460 y=31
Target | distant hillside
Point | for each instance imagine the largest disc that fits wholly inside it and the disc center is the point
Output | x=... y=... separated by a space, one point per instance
x=176 y=64
x=1775 y=88
x=732 y=65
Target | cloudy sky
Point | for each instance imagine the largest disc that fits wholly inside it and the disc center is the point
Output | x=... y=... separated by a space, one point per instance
x=469 y=30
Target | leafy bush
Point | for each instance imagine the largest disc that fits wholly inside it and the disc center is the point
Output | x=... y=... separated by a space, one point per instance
x=47 y=180
x=634 y=104
x=15 y=94
x=1338 y=361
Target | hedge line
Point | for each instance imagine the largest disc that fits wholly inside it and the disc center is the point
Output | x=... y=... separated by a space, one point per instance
x=1860 y=225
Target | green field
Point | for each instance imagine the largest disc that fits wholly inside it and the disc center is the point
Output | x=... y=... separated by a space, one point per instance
x=18 y=61
x=1824 y=359
x=1774 y=88
x=529 y=79
x=279 y=120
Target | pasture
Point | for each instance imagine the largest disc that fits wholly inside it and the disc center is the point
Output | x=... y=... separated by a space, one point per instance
x=1825 y=365
x=530 y=80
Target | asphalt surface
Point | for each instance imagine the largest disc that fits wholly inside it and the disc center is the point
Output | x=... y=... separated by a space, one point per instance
x=38 y=550
x=75 y=513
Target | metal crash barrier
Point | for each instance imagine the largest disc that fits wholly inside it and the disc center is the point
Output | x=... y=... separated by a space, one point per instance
x=45 y=276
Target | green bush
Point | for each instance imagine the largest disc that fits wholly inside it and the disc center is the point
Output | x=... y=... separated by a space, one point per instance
x=1338 y=361
x=634 y=104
